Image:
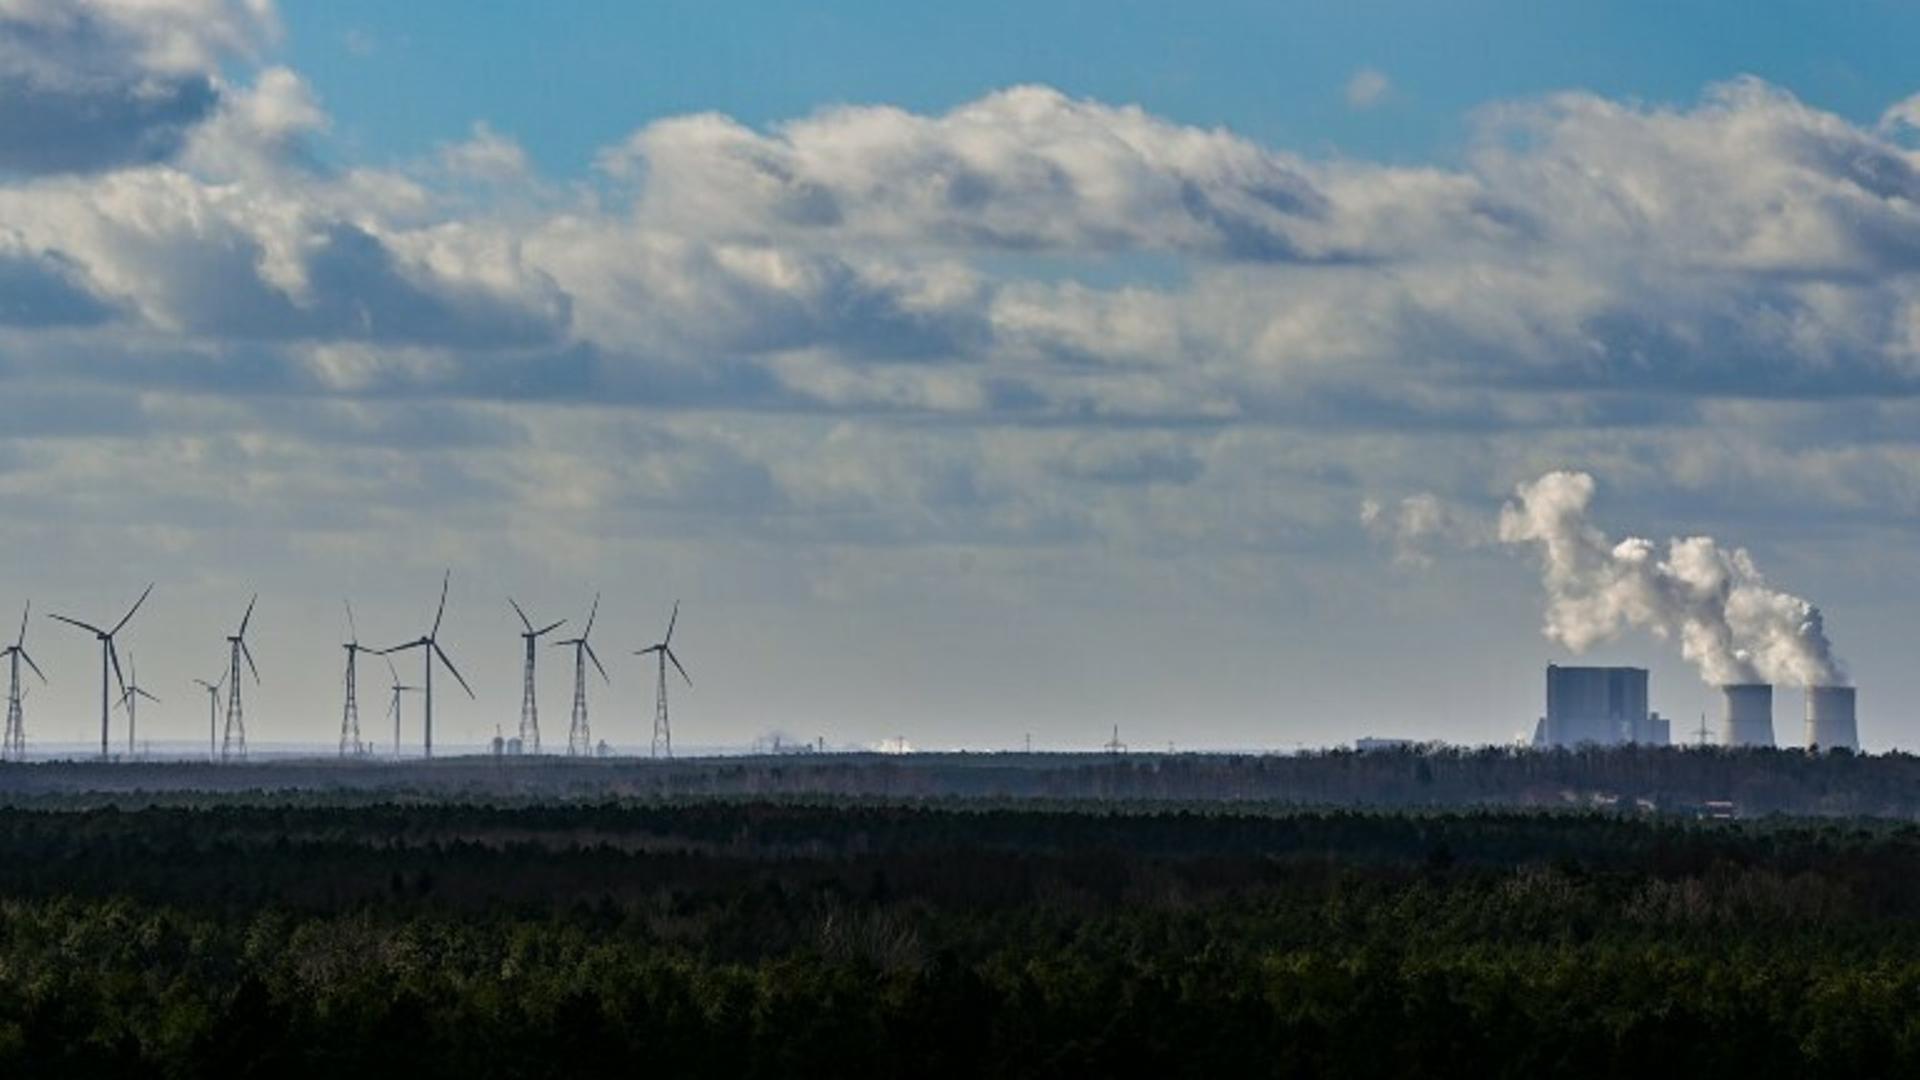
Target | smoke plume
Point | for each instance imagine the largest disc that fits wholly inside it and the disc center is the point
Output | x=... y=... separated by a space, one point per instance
x=1730 y=624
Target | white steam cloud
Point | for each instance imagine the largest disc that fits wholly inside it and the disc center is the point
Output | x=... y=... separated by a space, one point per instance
x=1731 y=625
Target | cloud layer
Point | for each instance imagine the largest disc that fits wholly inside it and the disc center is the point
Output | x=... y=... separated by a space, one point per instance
x=1012 y=333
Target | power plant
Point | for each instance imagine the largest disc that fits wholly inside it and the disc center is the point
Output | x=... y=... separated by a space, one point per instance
x=1742 y=634
x=1600 y=706
x=1830 y=719
x=1748 y=717
x=1607 y=706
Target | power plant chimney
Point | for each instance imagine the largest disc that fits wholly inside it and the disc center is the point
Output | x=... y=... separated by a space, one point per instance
x=1830 y=722
x=1749 y=717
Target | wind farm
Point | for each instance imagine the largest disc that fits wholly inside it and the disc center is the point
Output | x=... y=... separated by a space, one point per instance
x=232 y=719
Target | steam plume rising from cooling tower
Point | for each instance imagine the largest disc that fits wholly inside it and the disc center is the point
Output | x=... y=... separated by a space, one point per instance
x=1731 y=625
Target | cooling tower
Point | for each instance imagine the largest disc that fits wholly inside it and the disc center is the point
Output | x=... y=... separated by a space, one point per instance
x=1749 y=719
x=1830 y=723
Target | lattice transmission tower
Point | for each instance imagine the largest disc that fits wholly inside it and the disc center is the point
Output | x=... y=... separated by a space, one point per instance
x=663 y=652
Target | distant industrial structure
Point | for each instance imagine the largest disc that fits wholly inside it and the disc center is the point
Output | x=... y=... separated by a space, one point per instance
x=1830 y=720
x=1601 y=706
x=1607 y=706
x=1372 y=743
x=1748 y=720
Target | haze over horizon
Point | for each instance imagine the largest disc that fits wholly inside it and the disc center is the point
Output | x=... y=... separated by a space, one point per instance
x=966 y=375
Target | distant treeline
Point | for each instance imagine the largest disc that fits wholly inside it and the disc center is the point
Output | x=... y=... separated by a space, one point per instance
x=754 y=939
x=1678 y=780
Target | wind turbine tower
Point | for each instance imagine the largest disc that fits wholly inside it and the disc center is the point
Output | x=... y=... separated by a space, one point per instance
x=109 y=660
x=213 y=714
x=663 y=650
x=14 y=746
x=394 y=709
x=350 y=743
x=130 y=701
x=529 y=703
x=429 y=645
x=234 y=742
x=579 y=735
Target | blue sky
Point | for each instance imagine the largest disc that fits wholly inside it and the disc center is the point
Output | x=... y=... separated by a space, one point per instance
x=565 y=79
x=970 y=371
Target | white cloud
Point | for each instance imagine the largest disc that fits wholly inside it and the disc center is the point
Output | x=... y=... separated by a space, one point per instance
x=1368 y=88
x=487 y=155
x=1004 y=335
x=100 y=84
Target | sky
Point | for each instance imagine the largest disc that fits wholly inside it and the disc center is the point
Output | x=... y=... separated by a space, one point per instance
x=968 y=372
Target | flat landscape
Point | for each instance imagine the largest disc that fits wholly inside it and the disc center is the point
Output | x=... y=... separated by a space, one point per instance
x=1703 y=781
x=306 y=921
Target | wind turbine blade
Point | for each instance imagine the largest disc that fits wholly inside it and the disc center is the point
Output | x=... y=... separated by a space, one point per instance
x=394 y=649
x=113 y=654
x=248 y=617
x=596 y=663
x=438 y=615
x=549 y=628
x=22 y=643
x=353 y=631
x=130 y=611
x=648 y=649
x=222 y=682
x=454 y=670
x=528 y=623
x=88 y=627
x=395 y=671
x=146 y=695
x=248 y=653
x=671 y=622
x=676 y=664
x=34 y=666
x=591 y=615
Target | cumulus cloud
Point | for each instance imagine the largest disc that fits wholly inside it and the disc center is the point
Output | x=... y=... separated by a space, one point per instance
x=1028 y=260
x=487 y=155
x=1022 y=170
x=98 y=84
x=1418 y=523
x=1368 y=88
x=46 y=290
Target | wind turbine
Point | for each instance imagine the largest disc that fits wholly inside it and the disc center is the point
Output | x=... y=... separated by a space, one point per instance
x=529 y=706
x=213 y=714
x=430 y=647
x=663 y=731
x=234 y=741
x=14 y=746
x=394 y=709
x=350 y=715
x=130 y=697
x=579 y=736
x=108 y=659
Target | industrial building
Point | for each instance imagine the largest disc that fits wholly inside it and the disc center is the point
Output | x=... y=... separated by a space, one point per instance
x=1605 y=706
x=1830 y=719
x=1749 y=715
